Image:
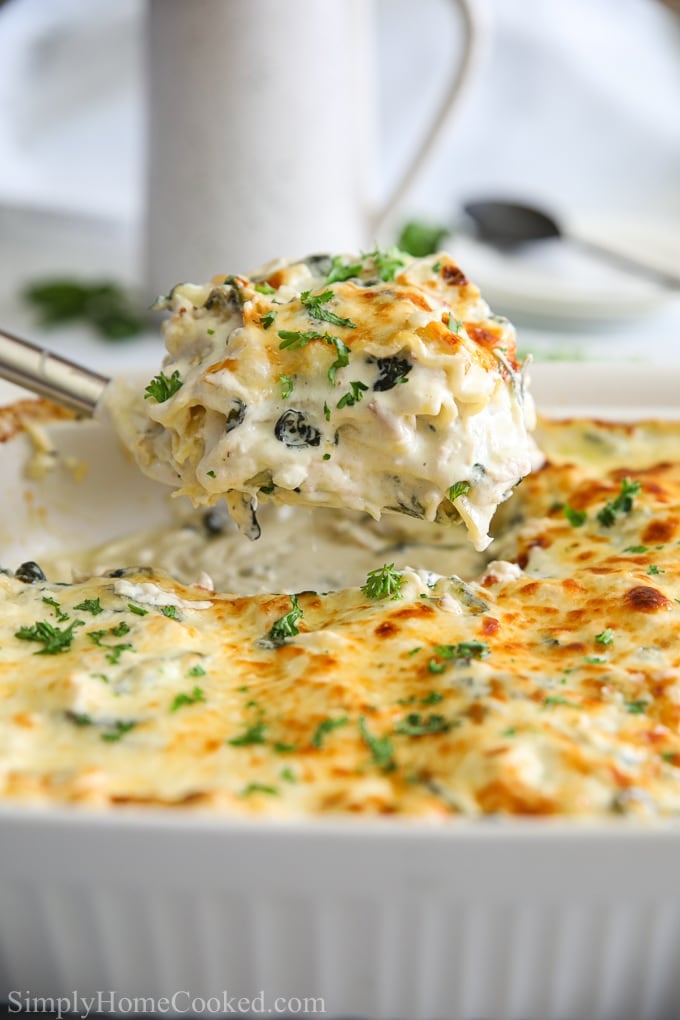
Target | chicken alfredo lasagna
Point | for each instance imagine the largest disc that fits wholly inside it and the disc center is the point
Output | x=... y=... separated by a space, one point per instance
x=378 y=383
x=543 y=681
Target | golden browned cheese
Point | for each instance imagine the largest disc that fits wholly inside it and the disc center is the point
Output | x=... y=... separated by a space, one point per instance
x=550 y=687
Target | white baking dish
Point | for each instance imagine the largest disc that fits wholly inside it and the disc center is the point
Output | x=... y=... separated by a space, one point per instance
x=464 y=920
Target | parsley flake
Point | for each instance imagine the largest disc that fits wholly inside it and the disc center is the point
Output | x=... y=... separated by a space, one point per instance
x=314 y=304
x=187 y=699
x=259 y=788
x=341 y=271
x=267 y=319
x=60 y=614
x=383 y=583
x=197 y=671
x=653 y=569
x=455 y=325
x=265 y=288
x=380 y=747
x=54 y=639
x=253 y=735
x=622 y=504
x=286 y=626
x=93 y=606
x=357 y=390
x=636 y=549
x=387 y=262
x=458 y=489
x=161 y=388
x=137 y=610
x=577 y=518
x=325 y=727
x=636 y=707
x=296 y=339
x=119 y=730
x=287 y=386
x=170 y=612
x=605 y=637
x=417 y=725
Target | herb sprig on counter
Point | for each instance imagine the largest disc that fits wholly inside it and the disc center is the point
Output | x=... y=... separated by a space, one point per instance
x=103 y=305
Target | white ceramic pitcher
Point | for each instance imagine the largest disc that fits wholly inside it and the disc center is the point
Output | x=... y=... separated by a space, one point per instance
x=262 y=125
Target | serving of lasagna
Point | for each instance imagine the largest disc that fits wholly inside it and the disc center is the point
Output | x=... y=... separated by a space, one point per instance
x=541 y=677
x=375 y=383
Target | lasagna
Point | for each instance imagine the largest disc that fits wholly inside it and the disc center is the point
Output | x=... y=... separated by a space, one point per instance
x=542 y=678
x=376 y=383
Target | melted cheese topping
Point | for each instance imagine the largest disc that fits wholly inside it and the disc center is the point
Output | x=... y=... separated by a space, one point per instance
x=375 y=384
x=551 y=686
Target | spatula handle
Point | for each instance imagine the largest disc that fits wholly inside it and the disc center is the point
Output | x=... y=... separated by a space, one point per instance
x=49 y=375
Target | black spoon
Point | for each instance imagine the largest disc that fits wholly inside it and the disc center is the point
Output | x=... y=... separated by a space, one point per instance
x=508 y=225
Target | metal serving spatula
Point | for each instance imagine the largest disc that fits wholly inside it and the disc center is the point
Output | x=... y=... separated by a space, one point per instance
x=49 y=375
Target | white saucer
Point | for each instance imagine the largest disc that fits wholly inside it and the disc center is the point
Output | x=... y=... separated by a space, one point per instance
x=555 y=281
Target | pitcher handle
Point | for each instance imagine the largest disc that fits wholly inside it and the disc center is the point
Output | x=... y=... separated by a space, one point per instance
x=473 y=18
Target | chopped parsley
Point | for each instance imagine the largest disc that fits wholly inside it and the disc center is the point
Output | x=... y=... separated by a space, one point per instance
x=137 y=610
x=417 y=725
x=387 y=262
x=455 y=325
x=255 y=734
x=436 y=667
x=60 y=614
x=79 y=718
x=326 y=411
x=104 y=305
x=326 y=456
x=594 y=660
x=314 y=303
x=288 y=775
x=458 y=489
x=325 y=727
x=54 y=639
x=119 y=730
x=622 y=504
x=464 y=650
x=211 y=474
x=267 y=319
x=605 y=637
x=555 y=700
x=93 y=606
x=383 y=583
x=287 y=386
x=259 y=788
x=265 y=288
x=341 y=271
x=432 y=698
x=577 y=518
x=380 y=747
x=286 y=626
x=357 y=390
x=296 y=339
x=197 y=671
x=169 y=611
x=636 y=549
x=187 y=699
x=421 y=239
x=653 y=569
x=636 y=707
x=282 y=748
x=161 y=388
x=121 y=629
